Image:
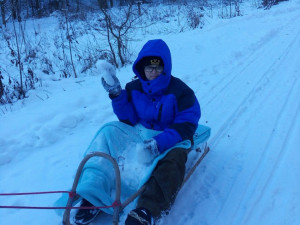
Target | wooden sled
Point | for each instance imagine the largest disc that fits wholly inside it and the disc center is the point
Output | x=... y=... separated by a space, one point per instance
x=203 y=150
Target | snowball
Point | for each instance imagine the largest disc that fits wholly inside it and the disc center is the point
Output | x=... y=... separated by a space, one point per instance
x=144 y=156
x=107 y=71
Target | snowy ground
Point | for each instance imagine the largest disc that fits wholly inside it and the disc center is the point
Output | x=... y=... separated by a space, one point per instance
x=245 y=72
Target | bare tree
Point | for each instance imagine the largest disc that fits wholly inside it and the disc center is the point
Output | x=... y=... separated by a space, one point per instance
x=77 y=5
x=15 y=9
x=1 y=87
x=2 y=6
x=117 y=32
x=19 y=62
x=69 y=38
x=54 y=5
x=126 y=2
x=269 y=3
x=3 y=12
x=103 y=4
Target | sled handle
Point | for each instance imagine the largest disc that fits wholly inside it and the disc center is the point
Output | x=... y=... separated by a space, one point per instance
x=66 y=217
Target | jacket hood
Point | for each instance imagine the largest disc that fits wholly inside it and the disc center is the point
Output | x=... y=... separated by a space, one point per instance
x=154 y=48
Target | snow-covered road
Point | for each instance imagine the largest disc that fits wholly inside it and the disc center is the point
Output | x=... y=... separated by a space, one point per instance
x=251 y=175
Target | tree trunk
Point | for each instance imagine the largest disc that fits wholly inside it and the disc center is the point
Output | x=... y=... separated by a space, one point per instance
x=2 y=5
x=139 y=7
x=120 y=47
x=32 y=7
x=13 y=9
x=78 y=5
x=18 y=10
x=109 y=42
x=20 y=64
x=70 y=43
x=103 y=4
x=1 y=87
x=37 y=4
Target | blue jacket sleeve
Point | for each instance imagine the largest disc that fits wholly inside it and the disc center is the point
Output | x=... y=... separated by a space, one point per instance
x=185 y=122
x=124 y=109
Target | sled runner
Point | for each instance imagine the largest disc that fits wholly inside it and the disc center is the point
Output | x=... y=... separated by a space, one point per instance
x=196 y=154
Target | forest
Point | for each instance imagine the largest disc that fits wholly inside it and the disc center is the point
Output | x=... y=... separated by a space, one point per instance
x=87 y=31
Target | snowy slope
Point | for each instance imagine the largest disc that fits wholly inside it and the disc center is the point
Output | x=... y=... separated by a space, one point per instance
x=245 y=72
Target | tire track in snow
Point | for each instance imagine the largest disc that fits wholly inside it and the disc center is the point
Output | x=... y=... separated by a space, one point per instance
x=281 y=119
x=232 y=168
x=280 y=154
x=258 y=177
x=266 y=79
x=256 y=88
x=254 y=55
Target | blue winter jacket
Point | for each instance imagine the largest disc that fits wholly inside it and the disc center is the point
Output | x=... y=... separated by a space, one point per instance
x=166 y=103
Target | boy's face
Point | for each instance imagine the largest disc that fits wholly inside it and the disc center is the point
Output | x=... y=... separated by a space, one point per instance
x=153 y=71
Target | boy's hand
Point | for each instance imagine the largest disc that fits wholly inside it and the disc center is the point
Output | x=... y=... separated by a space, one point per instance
x=109 y=79
x=151 y=145
x=113 y=89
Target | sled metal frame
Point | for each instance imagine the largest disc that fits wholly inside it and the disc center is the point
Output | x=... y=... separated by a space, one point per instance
x=119 y=207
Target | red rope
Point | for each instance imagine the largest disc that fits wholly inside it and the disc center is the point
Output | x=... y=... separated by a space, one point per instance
x=115 y=204
x=40 y=193
x=71 y=195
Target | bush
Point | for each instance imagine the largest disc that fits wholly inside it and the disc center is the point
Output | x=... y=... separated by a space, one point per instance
x=269 y=3
x=195 y=19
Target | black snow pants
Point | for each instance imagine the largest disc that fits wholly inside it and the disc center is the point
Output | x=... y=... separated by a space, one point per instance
x=164 y=183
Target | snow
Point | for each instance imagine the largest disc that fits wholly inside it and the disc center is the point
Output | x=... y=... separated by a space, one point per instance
x=245 y=72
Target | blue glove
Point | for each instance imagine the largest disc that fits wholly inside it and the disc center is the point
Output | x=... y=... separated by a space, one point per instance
x=113 y=88
x=151 y=145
